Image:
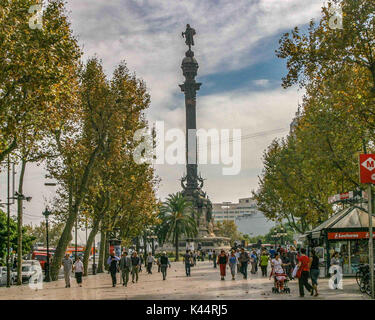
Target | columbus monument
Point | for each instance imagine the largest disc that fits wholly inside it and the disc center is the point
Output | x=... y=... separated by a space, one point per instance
x=191 y=183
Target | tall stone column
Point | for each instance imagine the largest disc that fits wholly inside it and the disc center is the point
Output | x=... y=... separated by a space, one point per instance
x=190 y=87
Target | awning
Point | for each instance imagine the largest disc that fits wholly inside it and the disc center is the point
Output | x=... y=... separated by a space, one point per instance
x=353 y=217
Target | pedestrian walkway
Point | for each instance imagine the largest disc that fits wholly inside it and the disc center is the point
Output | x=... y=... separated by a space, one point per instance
x=204 y=283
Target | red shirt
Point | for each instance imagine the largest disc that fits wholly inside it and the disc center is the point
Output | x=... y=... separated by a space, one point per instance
x=304 y=263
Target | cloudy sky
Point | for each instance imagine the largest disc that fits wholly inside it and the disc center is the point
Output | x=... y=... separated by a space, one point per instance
x=241 y=76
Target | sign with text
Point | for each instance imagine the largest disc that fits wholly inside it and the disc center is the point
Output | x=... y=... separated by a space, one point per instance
x=367 y=168
x=348 y=235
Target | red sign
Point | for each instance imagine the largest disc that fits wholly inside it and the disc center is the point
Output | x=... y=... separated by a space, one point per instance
x=367 y=168
x=348 y=235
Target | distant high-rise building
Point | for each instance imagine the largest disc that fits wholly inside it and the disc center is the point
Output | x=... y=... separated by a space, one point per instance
x=245 y=214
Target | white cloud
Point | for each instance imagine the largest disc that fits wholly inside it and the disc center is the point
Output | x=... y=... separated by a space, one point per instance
x=147 y=34
x=261 y=82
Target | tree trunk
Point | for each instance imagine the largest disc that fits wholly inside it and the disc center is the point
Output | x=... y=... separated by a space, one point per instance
x=145 y=249
x=65 y=236
x=176 y=243
x=90 y=241
x=106 y=251
x=103 y=241
x=20 y=222
x=137 y=245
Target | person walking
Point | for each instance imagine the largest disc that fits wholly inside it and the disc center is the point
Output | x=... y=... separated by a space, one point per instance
x=164 y=262
x=272 y=253
x=68 y=266
x=150 y=260
x=214 y=258
x=209 y=255
x=287 y=264
x=78 y=269
x=264 y=258
x=238 y=259
x=253 y=260
x=112 y=261
x=141 y=262
x=125 y=267
x=158 y=263
x=222 y=261
x=195 y=256
x=278 y=271
x=303 y=273
x=233 y=261
x=244 y=260
x=292 y=255
x=314 y=272
x=136 y=263
x=186 y=259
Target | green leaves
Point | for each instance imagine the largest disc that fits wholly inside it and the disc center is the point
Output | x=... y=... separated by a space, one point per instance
x=319 y=158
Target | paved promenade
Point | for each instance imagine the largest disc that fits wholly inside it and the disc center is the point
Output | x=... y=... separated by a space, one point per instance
x=204 y=283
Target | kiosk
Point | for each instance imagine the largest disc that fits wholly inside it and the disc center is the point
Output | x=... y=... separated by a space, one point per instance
x=347 y=233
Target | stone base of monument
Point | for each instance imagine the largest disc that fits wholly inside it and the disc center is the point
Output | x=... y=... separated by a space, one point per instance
x=204 y=243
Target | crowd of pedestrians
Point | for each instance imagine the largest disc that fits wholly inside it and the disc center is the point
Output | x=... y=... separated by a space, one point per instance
x=288 y=262
x=285 y=263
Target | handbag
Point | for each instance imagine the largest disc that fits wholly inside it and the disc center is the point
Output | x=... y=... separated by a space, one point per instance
x=295 y=271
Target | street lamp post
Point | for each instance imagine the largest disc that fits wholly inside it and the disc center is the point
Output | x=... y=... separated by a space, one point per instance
x=75 y=245
x=46 y=213
x=8 y=218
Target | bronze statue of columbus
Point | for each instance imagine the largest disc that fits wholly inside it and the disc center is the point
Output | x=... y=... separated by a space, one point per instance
x=189 y=36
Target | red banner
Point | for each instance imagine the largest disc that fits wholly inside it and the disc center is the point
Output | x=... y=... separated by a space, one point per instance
x=348 y=235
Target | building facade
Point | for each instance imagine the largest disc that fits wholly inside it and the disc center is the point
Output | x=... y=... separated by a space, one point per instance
x=245 y=214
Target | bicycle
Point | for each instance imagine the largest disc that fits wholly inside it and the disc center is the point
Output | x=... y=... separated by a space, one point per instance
x=362 y=270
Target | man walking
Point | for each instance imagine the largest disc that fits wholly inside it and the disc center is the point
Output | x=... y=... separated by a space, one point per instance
x=272 y=253
x=112 y=261
x=68 y=265
x=187 y=260
x=304 y=268
x=125 y=267
x=237 y=254
x=150 y=260
x=287 y=264
x=136 y=263
x=244 y=260
x=164 y=263
x=254 y=261
x=214 y=257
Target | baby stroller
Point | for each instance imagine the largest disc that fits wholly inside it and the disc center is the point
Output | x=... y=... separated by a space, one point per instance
x=280 y=282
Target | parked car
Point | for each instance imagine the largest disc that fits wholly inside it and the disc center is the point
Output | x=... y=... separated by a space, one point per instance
x=32 y=268
x=3 y=276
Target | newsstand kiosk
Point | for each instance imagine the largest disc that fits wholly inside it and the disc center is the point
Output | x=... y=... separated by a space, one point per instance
x=347 y=233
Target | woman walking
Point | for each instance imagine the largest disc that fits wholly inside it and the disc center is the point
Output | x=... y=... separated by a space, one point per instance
x=222 y=261
x=314 y=272
x=233 y=264
x=253 y=260
x=264 y=263
x=78 y=269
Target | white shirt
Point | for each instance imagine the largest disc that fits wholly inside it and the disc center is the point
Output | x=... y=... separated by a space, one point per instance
x=78 y=266
x=277 y=268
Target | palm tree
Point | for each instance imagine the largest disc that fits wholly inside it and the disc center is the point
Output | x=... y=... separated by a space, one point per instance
x=177 y=219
